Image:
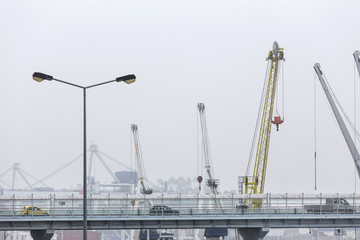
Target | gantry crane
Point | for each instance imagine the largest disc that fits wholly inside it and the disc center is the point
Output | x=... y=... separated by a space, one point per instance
x=329 y=94
x=139 y=161
x=255 y=183
x=211 y=182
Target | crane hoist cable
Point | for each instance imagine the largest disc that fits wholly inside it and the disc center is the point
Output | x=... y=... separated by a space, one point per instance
x=315 y=135
x=357 y=58
x=255 y=184
x=283 y=89
x=281 y=83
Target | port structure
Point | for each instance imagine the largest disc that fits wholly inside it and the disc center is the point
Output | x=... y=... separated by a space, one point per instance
x=211 y=181
x=144 y=188
x=255 y=183
x=25 y=176
x=335 y=106
x=20 y=175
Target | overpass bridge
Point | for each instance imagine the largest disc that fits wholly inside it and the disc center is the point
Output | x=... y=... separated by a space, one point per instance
x=114 y=211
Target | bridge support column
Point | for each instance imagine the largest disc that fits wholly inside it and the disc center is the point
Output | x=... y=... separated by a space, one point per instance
x=253 y=233
x=41 y=234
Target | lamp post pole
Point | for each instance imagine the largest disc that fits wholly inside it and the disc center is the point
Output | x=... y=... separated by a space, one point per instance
x=37 y=76
x=84 y=172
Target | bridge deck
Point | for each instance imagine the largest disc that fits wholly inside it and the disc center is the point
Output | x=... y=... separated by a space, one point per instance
x=135 y=212
x=181 y=222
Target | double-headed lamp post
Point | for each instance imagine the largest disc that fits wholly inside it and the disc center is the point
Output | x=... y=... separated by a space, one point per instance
x=37 y=76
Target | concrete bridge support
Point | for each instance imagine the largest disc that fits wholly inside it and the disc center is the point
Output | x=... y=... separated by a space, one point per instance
x=41 y=234
x=253 y=233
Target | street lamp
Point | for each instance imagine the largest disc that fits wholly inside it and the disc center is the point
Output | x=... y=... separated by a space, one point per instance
x=37 y=76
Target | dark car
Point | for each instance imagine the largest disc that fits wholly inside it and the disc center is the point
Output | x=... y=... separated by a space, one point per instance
x=159 y=210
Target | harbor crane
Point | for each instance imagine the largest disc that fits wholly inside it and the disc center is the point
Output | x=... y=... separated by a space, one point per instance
x=329 y=94
x=139 y=162
x=211 y=182
x=255 y=183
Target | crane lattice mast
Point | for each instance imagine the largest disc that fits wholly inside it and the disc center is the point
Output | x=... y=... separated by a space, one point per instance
x=255 y=184
x=139 y=161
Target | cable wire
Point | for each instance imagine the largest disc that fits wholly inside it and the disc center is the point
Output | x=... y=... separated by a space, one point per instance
x=197 y=144
x=283 y=86
x=257 y=121
x=315 y=139
x=131 y=159
x=355 y=124
x=342 y=109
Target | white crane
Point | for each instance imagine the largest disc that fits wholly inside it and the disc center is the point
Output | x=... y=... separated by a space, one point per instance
x=349 y=141
x=211 y=182
x=139 y=161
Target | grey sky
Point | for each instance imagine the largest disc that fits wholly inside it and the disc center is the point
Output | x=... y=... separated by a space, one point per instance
x=182 y=53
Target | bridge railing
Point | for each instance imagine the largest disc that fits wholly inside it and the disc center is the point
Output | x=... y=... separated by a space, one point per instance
x=135 y=205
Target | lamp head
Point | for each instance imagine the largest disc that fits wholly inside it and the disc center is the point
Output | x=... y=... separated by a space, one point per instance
x=127 y=78
x=38 y=76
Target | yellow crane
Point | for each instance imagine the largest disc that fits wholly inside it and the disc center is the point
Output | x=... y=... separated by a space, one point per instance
x=255 y=183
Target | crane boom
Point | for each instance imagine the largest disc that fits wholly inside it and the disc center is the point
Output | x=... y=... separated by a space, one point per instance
x=356 y=55
x=255 y=184
x=140 y=165
x=350 y=143
x=211 y=182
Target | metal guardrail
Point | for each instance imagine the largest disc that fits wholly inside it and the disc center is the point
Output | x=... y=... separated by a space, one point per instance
x=184 y=212
x=135 y=205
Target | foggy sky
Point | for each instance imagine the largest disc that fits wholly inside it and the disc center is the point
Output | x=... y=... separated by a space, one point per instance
x=182 y=52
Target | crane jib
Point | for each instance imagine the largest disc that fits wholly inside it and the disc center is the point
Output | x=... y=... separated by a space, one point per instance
x=350 y=143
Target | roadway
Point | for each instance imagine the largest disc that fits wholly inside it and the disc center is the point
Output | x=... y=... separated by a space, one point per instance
x=133 y=212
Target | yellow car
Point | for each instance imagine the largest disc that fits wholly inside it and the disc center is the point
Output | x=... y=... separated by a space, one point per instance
x=33 y=211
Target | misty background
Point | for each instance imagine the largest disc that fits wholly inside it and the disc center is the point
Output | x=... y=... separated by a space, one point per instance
x=182 y=53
